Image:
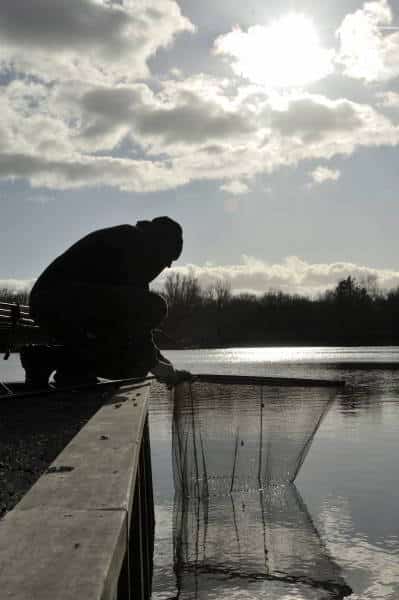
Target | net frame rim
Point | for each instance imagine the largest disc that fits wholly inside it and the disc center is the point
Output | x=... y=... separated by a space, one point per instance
x=267 y=381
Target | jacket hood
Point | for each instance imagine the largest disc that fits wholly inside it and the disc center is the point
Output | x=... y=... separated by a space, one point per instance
x=167 y=233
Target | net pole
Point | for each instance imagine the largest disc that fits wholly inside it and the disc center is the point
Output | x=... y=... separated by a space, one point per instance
x=194 y=442
x=260 y=440
x=235 y=461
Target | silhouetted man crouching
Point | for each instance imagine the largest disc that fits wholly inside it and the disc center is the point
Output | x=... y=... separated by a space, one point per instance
x=94 y=301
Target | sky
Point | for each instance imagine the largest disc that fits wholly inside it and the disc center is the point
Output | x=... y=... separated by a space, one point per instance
x=270 y=131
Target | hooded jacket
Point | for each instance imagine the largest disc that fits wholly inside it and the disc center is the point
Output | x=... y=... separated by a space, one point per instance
x=121 y=255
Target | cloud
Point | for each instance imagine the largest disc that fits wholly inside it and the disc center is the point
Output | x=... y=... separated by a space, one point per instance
x=16 y=285
x=388 y=99
x=308 y=127
x=160 y=123
x=285 y=53
x=193 y=121
x=312 y=117
x=77 y=116
x=321 y=174
x=70 y=135
x=367 y=50
x=235 y=187
x=93 y=40
x=293 y=275
x=81 y=171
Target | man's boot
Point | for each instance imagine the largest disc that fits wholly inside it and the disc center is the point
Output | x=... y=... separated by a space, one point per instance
x=39 y=361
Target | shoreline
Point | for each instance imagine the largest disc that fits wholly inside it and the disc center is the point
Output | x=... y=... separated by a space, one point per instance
x=276 y=345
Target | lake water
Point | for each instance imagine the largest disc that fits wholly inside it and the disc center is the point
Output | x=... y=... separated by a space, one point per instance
x=346 y=501
x=341 y=520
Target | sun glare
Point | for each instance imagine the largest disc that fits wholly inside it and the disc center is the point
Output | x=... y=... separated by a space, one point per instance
x=286 y=53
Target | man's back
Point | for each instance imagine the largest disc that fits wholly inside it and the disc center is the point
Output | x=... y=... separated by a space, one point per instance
x=120 y=255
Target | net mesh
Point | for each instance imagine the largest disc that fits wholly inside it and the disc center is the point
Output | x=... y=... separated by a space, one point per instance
x=239 y=522
x=234 y=437
x=258 y=539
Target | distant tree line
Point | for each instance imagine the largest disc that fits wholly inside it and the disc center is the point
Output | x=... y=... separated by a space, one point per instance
x=7 y=295
x=353 y=313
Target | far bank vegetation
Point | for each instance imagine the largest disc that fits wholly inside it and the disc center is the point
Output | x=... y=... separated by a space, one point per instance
x=354 y=313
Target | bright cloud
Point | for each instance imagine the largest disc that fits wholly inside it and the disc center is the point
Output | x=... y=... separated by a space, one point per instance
x=285 y=53
x=235 y=187
x=16 y=285
x=322 y=174
x=293 y=275
x=367 y=50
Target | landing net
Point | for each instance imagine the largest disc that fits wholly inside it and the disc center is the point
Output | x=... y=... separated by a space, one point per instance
x=239 y=522
x=234 y=436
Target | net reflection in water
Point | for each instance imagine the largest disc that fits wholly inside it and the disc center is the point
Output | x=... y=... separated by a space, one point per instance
x=234 y=437
x=260 y=541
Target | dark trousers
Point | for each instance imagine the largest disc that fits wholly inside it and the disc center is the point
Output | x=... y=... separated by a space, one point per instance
x=104 y=329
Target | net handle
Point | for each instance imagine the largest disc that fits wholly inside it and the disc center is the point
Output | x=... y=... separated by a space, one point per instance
x=270 y=381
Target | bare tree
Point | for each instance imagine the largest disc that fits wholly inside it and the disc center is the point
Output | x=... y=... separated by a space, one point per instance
x=182 y=290
x=220 y=292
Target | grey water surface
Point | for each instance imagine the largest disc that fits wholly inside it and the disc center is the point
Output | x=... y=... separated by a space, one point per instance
x=343 y=514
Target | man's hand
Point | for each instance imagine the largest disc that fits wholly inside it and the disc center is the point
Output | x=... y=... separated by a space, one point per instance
x=166 y=373
x=184 y=376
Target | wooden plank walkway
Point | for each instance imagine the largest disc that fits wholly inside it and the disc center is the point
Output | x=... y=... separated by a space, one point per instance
x=72 y=534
